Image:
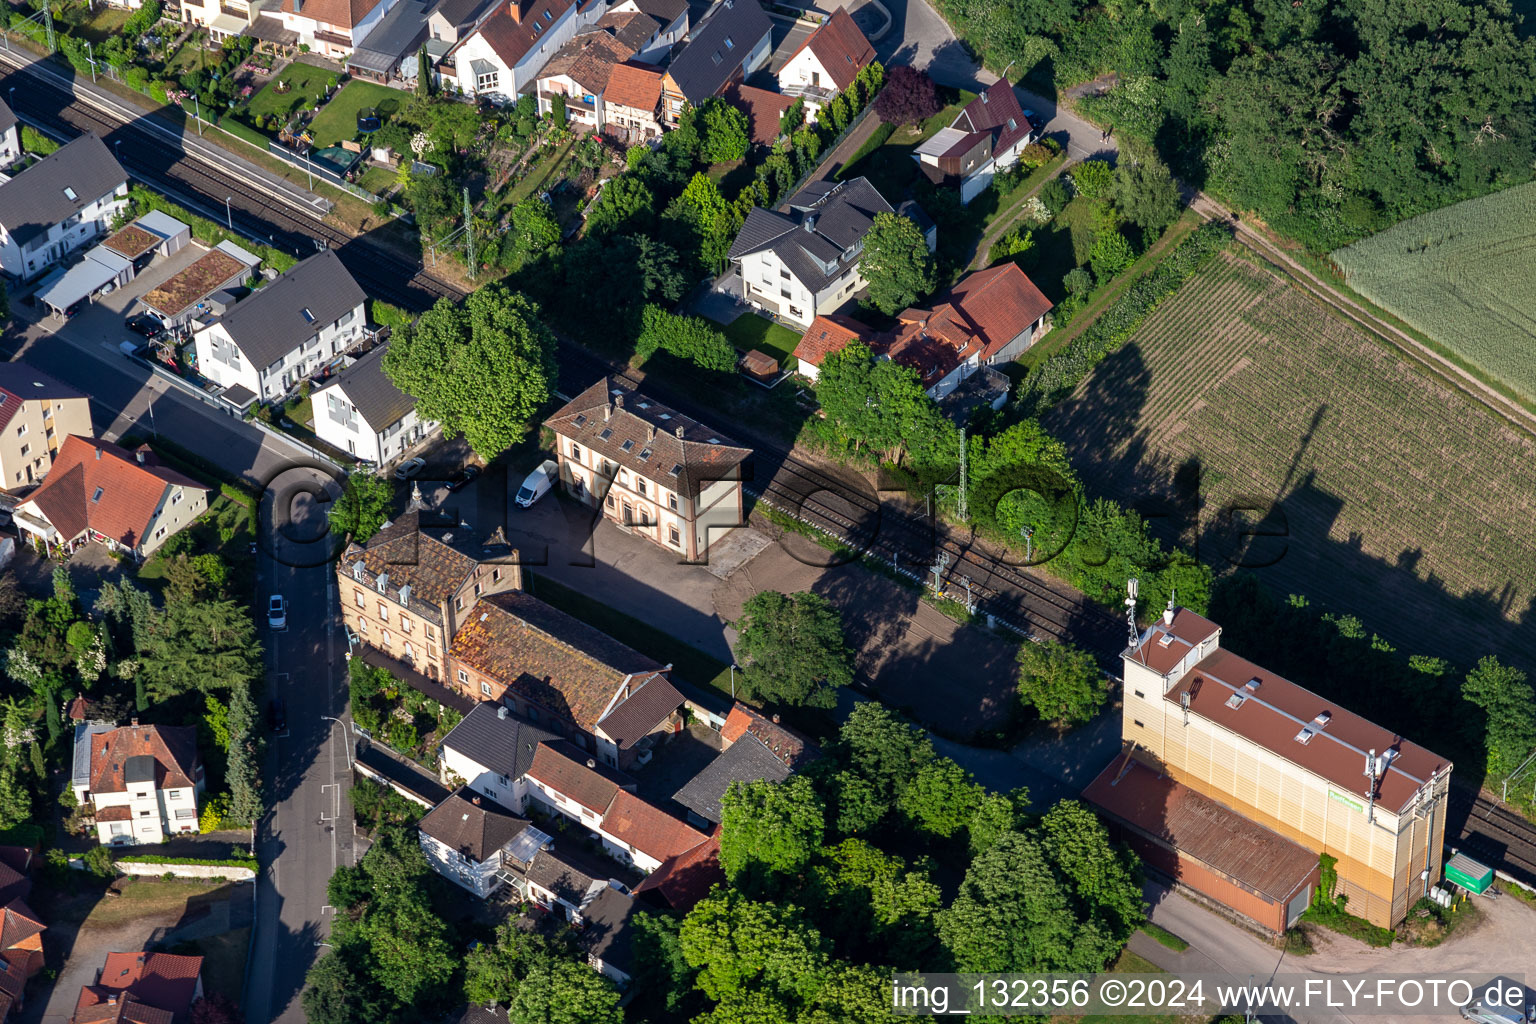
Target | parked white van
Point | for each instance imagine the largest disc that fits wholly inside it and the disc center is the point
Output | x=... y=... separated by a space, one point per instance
x=538 y=483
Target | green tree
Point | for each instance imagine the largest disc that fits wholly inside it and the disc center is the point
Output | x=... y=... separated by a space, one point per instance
x=896 y=263
x=995 y=816
x=1110 y=256
x=625 y=205
x=1509 y=713
x=725 y=132
x=338 y=990
x=1061 y=682
x=792 y=649
x=663 y=976
x=423 y=73
x=565 y=992
x=877 y=409
x=1144 y=191
x=199 y=644
x=243 y=773
x=686 y=337
x=769 y=828
x=740 y=946
x=1093 y=179
x=1013 y=913
x=15 y=798
x=532 y=232
x=883 y=750
x=493 y=971
x=557 y=109
x=363 y=506
x=1103 y=876
x=483 y=368
x=1077 y=281
x=873 y=905
x=941 y=798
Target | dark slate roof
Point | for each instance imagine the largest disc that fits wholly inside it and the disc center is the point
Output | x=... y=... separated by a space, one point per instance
x=647 y=706
x=605 y=931
x=369 y=388
x=664 y=11
x=826 y=219
x=696 y=70
x=996 y=110
x=7 y=117
x=398 y=34
x=475 y=826
x=564 y=872
x=747 y=760
x=432 y=553
x=35 y=200
x=271 y=323
x=504 y=745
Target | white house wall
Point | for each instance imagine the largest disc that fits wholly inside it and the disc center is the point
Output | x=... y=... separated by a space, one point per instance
x=61 y=239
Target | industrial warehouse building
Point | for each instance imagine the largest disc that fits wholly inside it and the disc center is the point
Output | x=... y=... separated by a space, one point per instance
x=1234 y=780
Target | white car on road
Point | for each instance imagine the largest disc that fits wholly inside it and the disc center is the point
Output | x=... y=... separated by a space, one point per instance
x=277 y=612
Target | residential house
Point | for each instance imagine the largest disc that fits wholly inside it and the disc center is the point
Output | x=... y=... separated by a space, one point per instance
x=331 y=28
x=829 y=333
x=465 y=836
x=579 y=73
x=1235 y=781
x=684 y=878
x=144 y=782
x=803 y=263
x=563 y=779
x=389 y=53
x=21 y=929
x=97 y=491
x=490 y=752
x=764 y=110
x=988 y=318
x=192 y=296
x=223 y=19
x=10 y=136
x=59 y=204
x=36 y=414
x=728 y=44
x=670 y=17
x=361 y=412
x=565 y=676
x=827 y=62
x=632 y=102
x=756 y=747
x=408 y=589
x=650 y=469
x=605 y=935
x=285 y=332
x=984 y=138
x=142 y=988
x=507 y=49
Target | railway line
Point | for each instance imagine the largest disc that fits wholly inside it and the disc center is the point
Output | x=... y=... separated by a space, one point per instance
x=1492 y=834
x=250 y=211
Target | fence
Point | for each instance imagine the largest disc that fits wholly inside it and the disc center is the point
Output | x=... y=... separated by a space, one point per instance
x=287 y=155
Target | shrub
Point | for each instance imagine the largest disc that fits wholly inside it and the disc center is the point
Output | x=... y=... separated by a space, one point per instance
x=1110 y=256
x=98 y=861
x=1093 y=179
x=1055 y=194
x=214 y=812
x=1077 y=281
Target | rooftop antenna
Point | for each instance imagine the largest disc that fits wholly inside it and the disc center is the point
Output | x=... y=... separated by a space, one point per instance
x=1168 y=612
x=1184 y=703
x=1372 y=772
x=1131 y=587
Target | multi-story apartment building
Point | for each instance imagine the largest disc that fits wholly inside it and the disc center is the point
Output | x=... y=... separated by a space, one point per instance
x=732 y=40
x=10 y=136
x=650 y=469
x=59 y=204
x=361 y=412
x=36 y=414
x=1264 y=776
x=144 y=782
x=286 y=331
x=407 y=590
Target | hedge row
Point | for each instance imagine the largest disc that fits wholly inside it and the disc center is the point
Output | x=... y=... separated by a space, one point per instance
x=227 y=862
x=209 y=232
x=1055 y=378
x=231 y=485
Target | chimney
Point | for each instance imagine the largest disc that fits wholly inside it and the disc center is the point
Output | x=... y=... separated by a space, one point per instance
x=650 y=431
x=514 y=11
x=607 y=411
x=809 y=223
x=140 y=456
x=475 y=800
x=502 y=712
x=618 y=401
x=133 y=722
x=775 y=719
x=112 y=999
x=679 y=432
x=98 y=454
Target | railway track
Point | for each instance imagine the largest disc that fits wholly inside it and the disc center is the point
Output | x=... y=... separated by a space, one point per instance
x=1492 y=834
x=250 y=211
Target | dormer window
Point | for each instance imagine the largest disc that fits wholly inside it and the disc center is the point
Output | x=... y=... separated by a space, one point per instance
x=309 y=317
x=70 y=194
x=357 y=570
x=383 y=582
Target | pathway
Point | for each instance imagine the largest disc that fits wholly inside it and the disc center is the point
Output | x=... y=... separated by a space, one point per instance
x=1011 y=217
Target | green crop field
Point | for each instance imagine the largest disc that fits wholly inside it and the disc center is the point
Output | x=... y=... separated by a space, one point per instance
x=1401 y=501
x=1466 y=276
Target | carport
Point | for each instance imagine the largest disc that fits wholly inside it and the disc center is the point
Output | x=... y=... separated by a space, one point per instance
x=101 y=271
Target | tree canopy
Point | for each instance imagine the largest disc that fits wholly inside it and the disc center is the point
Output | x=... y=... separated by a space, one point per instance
x=483 y=368
x=1062 y=683
x=769 y=828
x=363 y=506
x=896 y=263
x=909 y=97
x=792 y=649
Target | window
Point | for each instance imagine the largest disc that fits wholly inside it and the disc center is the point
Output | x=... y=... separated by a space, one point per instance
x=25 y=448
x=176 y=498
x=730 y=44
x=384 y=636
x=610 y=501
x=70 y=194
x=784 y=274
x=477 y=590
x=1139 y=724
x=431 y=633
x=485 y=688
x=410 y=655
x=21 y=431
x=463 y=677
x=405 y=624
x=672 y=502
x=576 y=452
x=383 y=612
x=160 y=533
x=309 y=317
x=143 y=814
x=1141 y=695
x=117 y=828
x=183 y=813
x=640 y=486
x=548 y=16
x=496 y=575
x=676 y=538
x=488 y=82
x=362 y=626
x=357 y=595
x=94 y=497
x=458 y=604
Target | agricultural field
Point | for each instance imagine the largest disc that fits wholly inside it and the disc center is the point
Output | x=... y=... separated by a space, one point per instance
x=1466 y=276
x=1391 y=496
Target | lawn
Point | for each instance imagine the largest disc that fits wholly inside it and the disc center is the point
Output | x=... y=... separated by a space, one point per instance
x=338 y=121
x=542 y=174
x=104 y=24
x=308 y=84
x=890 y=167
x=1058 y=247
x=143 y=898
x=207 y=535
x=378 y=180
x=690 y=664
x=1354 y=474
x=1462 y=275
x=750 y=331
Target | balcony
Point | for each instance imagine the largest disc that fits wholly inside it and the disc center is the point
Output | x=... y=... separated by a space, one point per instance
x=570 y=101
x=810 y=93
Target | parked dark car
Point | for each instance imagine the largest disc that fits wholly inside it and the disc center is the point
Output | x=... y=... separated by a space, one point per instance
x=466 y=477
x=144 y=324
x=277 y=716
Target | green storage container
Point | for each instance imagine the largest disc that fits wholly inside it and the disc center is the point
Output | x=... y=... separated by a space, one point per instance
x=1468 y=873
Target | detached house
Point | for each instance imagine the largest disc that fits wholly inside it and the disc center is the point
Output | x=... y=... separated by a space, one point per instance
x=827 y=62
x=144 y=782
x=332 y=28
x=505 y=52
x=466 y=836
x=141 y=988
x=361 y=412
x=827 y=334
x=654 y=471
x=804 y=263
x=632 y=102
x=730 y=43
x=285 y=332
x=563 y=675
x=10 y=136
x=408 y=589
x=59 y=204
x=97 y=491
x=36 y=414
x=756 y=747
x=984 y=138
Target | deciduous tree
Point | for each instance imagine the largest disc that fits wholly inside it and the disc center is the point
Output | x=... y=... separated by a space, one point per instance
x=362 y=507
x=792 y=649
x=1509 y=712
x=1144 y=190
x=909 y=97
x=687 y=337
x=769 y=828
x=725 y=132
x=896 y=263
x=1062 y=683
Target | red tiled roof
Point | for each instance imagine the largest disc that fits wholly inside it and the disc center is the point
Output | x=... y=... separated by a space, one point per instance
x=992 y=111
x=648 y=828
x=20 y=924
x=130 y=491
x=840 y=48
x=1185 y=633
x=172 y=748
x=342 y=13
x=512 y=31
x=828 y=334
x=633 y=84
x=1201 y=828
x=1274 y=714
x=764 y=110
x=997 y=304
x=161 y=980
x=782 y=742
x=588 y=60
x=98 y=1005
x=564 y=774
x=117 y=812
x=685 y=878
